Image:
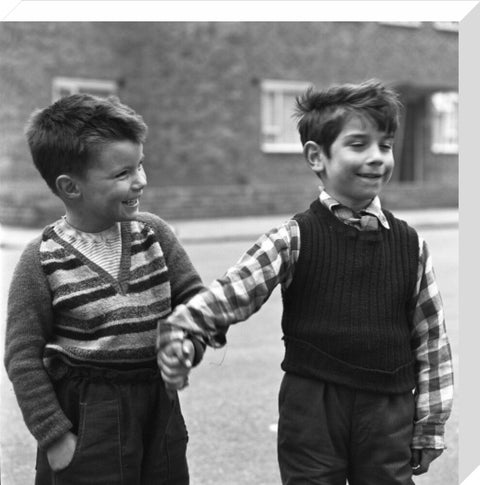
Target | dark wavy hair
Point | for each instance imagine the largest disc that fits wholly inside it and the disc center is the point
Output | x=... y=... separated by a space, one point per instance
x=63 y=136
x=321 y=115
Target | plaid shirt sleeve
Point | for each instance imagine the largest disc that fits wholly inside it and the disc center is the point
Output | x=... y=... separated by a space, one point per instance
x=434 y=370
x=242 y=291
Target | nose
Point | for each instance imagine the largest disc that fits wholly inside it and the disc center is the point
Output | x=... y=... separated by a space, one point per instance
x=140 y=180
x=376 y=156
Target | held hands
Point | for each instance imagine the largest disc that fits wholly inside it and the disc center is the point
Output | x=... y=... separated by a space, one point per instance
x=175 y=362
x=60 y=453
x=421 y=459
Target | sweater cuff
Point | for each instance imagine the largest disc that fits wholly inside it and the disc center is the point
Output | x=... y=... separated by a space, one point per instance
x=428 y=436
x=51 y=429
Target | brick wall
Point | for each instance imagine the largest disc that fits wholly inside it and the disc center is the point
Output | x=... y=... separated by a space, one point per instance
x=197 y=86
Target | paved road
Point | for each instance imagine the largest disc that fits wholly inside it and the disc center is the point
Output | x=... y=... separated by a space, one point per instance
x=230 y=407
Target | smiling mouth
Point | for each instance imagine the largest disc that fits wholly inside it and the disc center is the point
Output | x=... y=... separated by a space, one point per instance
x=370 y=175
x=131 y=202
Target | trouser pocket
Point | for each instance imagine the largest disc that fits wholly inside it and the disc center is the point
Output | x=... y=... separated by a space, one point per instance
x=97 y=457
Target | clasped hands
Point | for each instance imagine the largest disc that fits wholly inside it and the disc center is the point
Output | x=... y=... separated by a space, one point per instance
x=175 y=362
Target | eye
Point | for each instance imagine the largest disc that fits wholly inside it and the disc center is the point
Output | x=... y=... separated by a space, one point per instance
x=122 y=174
x=356 y=141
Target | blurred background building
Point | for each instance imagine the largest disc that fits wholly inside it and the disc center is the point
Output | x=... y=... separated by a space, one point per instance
x=218 y=99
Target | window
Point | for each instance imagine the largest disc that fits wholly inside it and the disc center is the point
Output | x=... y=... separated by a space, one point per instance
x=64 y=86
x=449 y=26
x=410 y=24
x=444 y=109
x=279 y=129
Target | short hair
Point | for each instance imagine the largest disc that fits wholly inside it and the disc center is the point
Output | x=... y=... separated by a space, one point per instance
x=322 y=114
x=63 y=136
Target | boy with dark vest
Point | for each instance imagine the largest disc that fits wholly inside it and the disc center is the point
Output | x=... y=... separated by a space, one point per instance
x=368 y=372
x=84 y=303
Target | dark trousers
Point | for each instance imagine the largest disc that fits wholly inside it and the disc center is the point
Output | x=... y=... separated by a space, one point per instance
x=328 y=434
x=130 y=432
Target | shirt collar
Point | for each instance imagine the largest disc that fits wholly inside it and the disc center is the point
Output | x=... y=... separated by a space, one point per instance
x=70 y=233
x=374 y=208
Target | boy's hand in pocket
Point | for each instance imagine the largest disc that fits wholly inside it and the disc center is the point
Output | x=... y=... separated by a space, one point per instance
x=60 y=453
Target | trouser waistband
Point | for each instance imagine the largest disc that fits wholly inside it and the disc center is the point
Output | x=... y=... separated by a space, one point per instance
x=148 y=373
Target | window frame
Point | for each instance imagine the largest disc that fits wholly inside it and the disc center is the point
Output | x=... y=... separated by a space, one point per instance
x=411 y=24
x=446 y=26
x=75 y=85
x=437 y=145
x=278 y=88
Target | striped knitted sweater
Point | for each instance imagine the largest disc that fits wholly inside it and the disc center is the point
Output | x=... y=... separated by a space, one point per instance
x=65 y=309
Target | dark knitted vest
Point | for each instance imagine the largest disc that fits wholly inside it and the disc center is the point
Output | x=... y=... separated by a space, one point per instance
x=347 y=313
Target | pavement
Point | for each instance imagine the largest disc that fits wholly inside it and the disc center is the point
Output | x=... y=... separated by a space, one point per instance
x=247 y=228
x=18 y=448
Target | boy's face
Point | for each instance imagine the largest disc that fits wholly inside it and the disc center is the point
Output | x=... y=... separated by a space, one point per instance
x=360 y=163
x=111 y=188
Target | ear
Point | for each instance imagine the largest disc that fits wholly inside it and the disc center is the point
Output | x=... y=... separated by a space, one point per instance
x=67 y=187
x=315 y=156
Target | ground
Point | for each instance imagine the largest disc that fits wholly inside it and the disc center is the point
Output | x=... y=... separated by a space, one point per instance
x=230 y=406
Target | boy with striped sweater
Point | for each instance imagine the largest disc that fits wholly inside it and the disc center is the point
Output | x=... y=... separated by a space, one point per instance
x=84 y=304
x=368 y=378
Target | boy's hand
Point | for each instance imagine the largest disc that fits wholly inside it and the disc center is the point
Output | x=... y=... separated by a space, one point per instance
x=60 y=453
x=421 y=459
x=175 y=361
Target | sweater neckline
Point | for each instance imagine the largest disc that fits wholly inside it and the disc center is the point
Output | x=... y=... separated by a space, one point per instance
x=72 y=233
x=120 y=283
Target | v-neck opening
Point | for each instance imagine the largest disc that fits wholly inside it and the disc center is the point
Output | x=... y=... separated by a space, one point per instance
x=119 y=282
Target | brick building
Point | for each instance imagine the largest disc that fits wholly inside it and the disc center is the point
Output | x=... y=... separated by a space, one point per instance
x=217 y=97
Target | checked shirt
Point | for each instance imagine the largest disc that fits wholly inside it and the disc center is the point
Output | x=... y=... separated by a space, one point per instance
x=271 y=262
